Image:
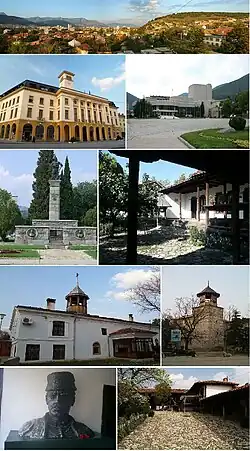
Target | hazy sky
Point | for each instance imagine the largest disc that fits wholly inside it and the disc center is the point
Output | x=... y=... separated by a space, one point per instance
x=232 y=282
x=172 y=74
x=186 y=377
x=106 y=287
x=133 y=11
x=102 y=75
x=17 y=168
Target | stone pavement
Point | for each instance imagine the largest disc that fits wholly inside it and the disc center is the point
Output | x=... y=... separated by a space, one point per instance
x=190 y=430
x=164 y=133
x=53 y=257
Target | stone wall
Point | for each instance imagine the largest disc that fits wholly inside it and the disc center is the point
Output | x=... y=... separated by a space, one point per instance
x=80 y=235
x=210 y=330
x=32 y=235
x=54 y=224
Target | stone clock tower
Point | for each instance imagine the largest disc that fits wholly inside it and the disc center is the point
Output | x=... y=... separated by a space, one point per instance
x=211 y=327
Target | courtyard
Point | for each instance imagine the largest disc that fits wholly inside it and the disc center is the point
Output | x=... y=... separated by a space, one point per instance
x=159 y=134
x=191 y=430
x=165 y=245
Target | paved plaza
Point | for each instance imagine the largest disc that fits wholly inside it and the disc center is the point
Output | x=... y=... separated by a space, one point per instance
x=53 y=257
x=63 y=145
x=165 y=133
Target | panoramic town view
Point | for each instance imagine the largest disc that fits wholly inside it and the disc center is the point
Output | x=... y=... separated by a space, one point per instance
x=132 y=26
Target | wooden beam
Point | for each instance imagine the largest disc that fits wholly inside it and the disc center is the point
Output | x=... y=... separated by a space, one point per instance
x=180 y=199
x=235 y=223
x=134 y=166
x=198 y=204
x=207 y=203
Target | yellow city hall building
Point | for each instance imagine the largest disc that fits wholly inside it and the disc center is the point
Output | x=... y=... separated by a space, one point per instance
x=36 y=111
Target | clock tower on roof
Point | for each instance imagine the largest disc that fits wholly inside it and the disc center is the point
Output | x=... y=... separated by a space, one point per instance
x=77 y=300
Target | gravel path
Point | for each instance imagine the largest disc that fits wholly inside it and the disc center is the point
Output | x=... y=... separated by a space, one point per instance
x=178 y=430
x=53 y=257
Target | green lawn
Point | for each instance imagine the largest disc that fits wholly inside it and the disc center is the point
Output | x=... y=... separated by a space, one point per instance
x=23 y=254
x=21 y=247
x=88 y=249
x=95 y=362
x=213 y=139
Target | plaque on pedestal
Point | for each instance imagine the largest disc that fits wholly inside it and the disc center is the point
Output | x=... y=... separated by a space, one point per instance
x=14 y=441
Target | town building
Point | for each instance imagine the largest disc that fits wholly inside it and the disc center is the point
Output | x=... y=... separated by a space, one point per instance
x=46 y=334
x=186 y=105
x=49 y=113
x=122 y=120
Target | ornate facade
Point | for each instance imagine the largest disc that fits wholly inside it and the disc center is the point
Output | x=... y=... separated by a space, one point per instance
x=48 y=113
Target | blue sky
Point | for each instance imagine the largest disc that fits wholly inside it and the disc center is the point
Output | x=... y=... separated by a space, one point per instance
x=17 y=168
x=132 y=11
x=105 y=287
x=102 y=75
x=161 y=170
x=232 y=282
x=186 y=377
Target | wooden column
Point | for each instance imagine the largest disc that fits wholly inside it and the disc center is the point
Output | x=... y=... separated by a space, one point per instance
x=198 y=204
x=207 y=203
x=223 y=411
x=134 y=166
x=180 y=205
x=225 y=193
x=235 y=223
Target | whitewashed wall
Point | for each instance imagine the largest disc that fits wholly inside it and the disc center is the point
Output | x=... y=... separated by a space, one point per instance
x=215 y=389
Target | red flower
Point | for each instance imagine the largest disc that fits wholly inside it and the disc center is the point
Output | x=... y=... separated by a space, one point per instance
x=83 y=436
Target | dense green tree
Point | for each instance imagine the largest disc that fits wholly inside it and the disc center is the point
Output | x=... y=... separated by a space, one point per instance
x=226 y=108
x=163 y=392
x=237 y=332
x=90 y=218
x=147 y=197
x=237 y=40
x=10 y=214
x=143 y=377
x=66 y=191
x=202 y=108
x=143 y=109
x=242 y=102
x=84 y=199
x=39 y=207
x=3 y=43
x=181 y=179
x=113 y=190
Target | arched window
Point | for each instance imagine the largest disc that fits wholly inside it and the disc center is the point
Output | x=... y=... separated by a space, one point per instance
x=96 y=348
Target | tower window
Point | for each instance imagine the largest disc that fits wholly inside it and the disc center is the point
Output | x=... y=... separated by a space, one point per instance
x=73 y=300
x=104 y=331
x=96 y=348
x=58 y=329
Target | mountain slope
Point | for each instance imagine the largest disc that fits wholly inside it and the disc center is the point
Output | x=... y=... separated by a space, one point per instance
x=13 y=20
x=231 y=89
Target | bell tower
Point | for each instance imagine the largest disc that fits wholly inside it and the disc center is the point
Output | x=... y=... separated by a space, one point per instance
x=66 y=80
x=208 y=296
x=77 y=300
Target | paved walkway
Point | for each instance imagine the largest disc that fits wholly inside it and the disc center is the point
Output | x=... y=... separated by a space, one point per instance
x=55 y=145
x=178 y=430
x=164 y=133
x=53 y=257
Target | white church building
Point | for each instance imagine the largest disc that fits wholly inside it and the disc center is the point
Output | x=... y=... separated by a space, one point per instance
x=47 y=334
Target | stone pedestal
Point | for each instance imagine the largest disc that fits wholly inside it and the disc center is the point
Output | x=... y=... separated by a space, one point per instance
x=54 y=200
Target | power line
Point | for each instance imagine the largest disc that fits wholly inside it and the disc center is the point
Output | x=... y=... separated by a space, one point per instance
x=183 y=6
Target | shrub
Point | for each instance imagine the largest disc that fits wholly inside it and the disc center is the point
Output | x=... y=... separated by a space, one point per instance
x=151 y=413
x=217 y=240
x=197 y=236
x=237 y=122
x=127 y=425
x=241 y=143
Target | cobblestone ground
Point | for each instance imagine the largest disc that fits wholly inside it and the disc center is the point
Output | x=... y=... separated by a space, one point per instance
x=160 y=248
x=178 y=430
x=160 y=134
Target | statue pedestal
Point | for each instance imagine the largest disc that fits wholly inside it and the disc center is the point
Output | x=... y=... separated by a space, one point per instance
x=14 y=441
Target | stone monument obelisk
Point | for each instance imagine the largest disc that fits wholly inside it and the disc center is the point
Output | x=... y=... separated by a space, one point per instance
x=54 y=200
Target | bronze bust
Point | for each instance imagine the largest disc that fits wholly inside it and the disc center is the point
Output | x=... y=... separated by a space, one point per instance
x=57 y=423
